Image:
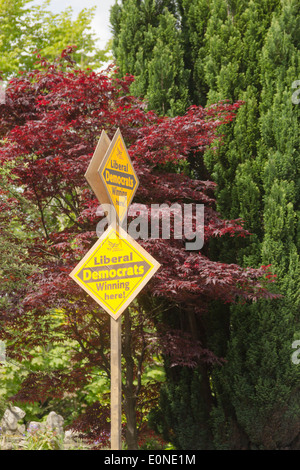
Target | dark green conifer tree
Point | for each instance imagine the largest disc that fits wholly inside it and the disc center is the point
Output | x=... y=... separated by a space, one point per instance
x=240 y=50
x=148 y=44
x=258 y=388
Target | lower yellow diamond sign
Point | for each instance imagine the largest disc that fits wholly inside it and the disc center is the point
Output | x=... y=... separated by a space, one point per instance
x=115 y=270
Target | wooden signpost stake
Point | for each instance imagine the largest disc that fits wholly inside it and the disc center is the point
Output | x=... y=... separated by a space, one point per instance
x=115 y=385
x=116 y=268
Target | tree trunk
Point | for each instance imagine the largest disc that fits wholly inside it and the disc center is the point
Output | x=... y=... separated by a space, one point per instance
x=131 y=434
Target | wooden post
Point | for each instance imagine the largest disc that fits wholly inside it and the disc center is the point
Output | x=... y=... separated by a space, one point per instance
x=115 y=384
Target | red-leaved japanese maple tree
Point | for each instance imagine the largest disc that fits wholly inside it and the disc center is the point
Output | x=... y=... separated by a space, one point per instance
x=49 y=125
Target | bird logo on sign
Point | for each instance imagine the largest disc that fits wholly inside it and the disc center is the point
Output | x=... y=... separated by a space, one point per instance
x=114 y=246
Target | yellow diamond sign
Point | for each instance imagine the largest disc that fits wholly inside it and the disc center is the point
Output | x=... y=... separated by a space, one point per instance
x=115 y=270
x=118 y=175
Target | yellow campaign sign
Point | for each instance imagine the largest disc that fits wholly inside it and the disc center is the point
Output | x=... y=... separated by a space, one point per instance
x=115 y=270
x=118 y=175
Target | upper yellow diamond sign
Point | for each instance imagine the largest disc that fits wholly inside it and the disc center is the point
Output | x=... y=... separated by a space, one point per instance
x=118 y=176
x=115 y=270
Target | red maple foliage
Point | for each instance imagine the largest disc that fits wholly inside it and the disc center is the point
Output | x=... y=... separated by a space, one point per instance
x=50 y=125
